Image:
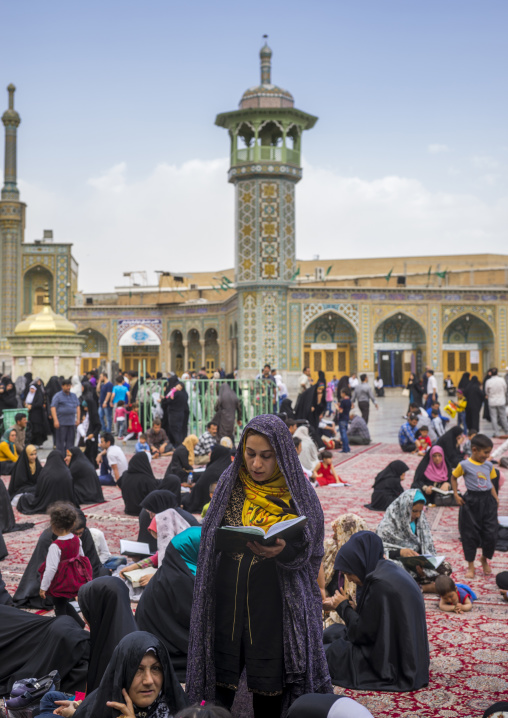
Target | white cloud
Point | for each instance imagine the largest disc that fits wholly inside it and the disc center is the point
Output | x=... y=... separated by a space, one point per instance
x=181 y=218
x=437 y=149
x=484 y=162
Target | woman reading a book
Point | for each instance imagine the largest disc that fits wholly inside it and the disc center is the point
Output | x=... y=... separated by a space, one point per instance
x=432 y=475
x=260 y=607
x=384 y=645
x=405 y=532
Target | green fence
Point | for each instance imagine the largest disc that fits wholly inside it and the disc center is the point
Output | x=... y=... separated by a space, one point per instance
x=256 y=397
x=8 y=420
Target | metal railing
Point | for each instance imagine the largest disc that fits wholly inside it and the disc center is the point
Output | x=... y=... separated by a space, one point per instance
x=256 y=396
x=273 y=154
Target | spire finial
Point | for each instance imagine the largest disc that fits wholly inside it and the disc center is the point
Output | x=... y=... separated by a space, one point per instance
x=11 y=121
x=266 y=63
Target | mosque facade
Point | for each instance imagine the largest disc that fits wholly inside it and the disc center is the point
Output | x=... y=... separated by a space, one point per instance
x=386 y=316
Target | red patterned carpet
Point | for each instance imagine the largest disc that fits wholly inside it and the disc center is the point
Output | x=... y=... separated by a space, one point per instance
x=468 y=653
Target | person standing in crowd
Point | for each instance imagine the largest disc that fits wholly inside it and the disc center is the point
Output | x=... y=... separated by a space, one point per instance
x=379 y=387
x=20 y=429
x=66 y=416
x=227 y=407
x=431 y=391
x=353 y=382
x=120 y=393
x=105 y=408
x=415 y=388
x=495 y=390
x=305 y=381
x=363 y=394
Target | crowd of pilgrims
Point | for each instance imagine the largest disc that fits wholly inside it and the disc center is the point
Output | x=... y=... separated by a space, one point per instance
x=268 y=631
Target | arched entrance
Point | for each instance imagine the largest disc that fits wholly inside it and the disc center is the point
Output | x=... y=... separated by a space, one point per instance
x=177 y=352
x=193 y=351
x=468 y=345
x=399 y=349
x=140 y=350
x=36 y=282
x=211 y=351
x=95 y=350
x=330 y=346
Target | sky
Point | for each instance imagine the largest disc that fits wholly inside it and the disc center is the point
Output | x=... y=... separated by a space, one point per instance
x=118 y=152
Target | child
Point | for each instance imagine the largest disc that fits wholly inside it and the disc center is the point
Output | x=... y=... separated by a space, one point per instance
x=66 y=567
x=437 y=422
x=134 y=426
x=310 y=475
x=326 y=473
x=478 y=508
x=423 y=441
x=206 y=506
x=120 y=418
x=344 y=409
x=454 y=596
x=461 y=403
x=329 y=398
x=142 y=445
x=465 y=447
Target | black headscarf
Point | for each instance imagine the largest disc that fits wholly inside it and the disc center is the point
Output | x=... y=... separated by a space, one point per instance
x=136 y=483
x=165 y=606
x=220 y=459
x=106 y=608
x=496 y=708
x=6 y=398
x=52 y=387
x=90 y=396
x=464 y=380
x=87 y=487
x=22 y=480
x=120 y=673
x=157 y=502
x=360 y=556
x=387 y=486
x=54 y=484
x=7 y=520
x=286 y=407
x=31 y=645
x=307 y=406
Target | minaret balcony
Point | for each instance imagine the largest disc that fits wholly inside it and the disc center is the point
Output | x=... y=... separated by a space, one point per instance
x=267 y=154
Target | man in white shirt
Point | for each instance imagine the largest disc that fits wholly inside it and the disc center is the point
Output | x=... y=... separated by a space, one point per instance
x=353 y=382
x=112 y=461
x=305 y=382
x=495 y=389
x=431 y=389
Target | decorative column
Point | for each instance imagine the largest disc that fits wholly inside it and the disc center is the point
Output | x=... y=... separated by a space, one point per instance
x=12 y=227
x=203 y=352
x=185 y=343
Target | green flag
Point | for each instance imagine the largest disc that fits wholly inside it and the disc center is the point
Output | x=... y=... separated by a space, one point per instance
x=387 y=277
x=295 y=275
x=441 y=275
x=328 y=270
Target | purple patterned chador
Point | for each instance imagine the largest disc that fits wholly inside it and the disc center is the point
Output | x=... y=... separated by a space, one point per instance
x=305 y=667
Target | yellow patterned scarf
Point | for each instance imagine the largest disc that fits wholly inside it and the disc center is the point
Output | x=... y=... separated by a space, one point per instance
x=266 y=504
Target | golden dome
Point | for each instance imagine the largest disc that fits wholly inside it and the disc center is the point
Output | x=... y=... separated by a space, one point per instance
x=45 y=322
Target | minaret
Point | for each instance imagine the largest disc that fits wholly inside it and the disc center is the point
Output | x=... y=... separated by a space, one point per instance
x=265 y=135
x=12 y=228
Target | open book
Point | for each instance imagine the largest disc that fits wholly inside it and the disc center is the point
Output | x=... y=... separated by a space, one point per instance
x=135 y=576
x=234 y=539
x=441 y=492
x=425 y=561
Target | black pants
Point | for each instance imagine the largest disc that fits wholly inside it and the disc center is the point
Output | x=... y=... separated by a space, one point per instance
x=264 y=706
x=478 y=524
x=408 y=448
x=364 y=408
x=64 y=608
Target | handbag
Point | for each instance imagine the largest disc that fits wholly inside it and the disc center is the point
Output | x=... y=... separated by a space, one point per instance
x=405 y=392
x=27 y=693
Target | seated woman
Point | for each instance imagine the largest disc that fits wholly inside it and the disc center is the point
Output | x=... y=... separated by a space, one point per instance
x=139 y=680
x=165 y=606
x=182 y=463
x=308 y=456
x=432 y=472
x=25 y=473
x=27 y=593
x=156 y=503
x=54 y=484
x=451 y=442
x=405 y=531
x=106 y=608
x=343 y=528
x=8 y=452
x=220 y=459
x=387 y=486
x=136 y=483
x=5 y=597
x=31 y=645
x=384 y=644
x=87 y=487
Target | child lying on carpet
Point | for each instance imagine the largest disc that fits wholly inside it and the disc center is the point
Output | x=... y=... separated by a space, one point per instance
x=454 y=597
